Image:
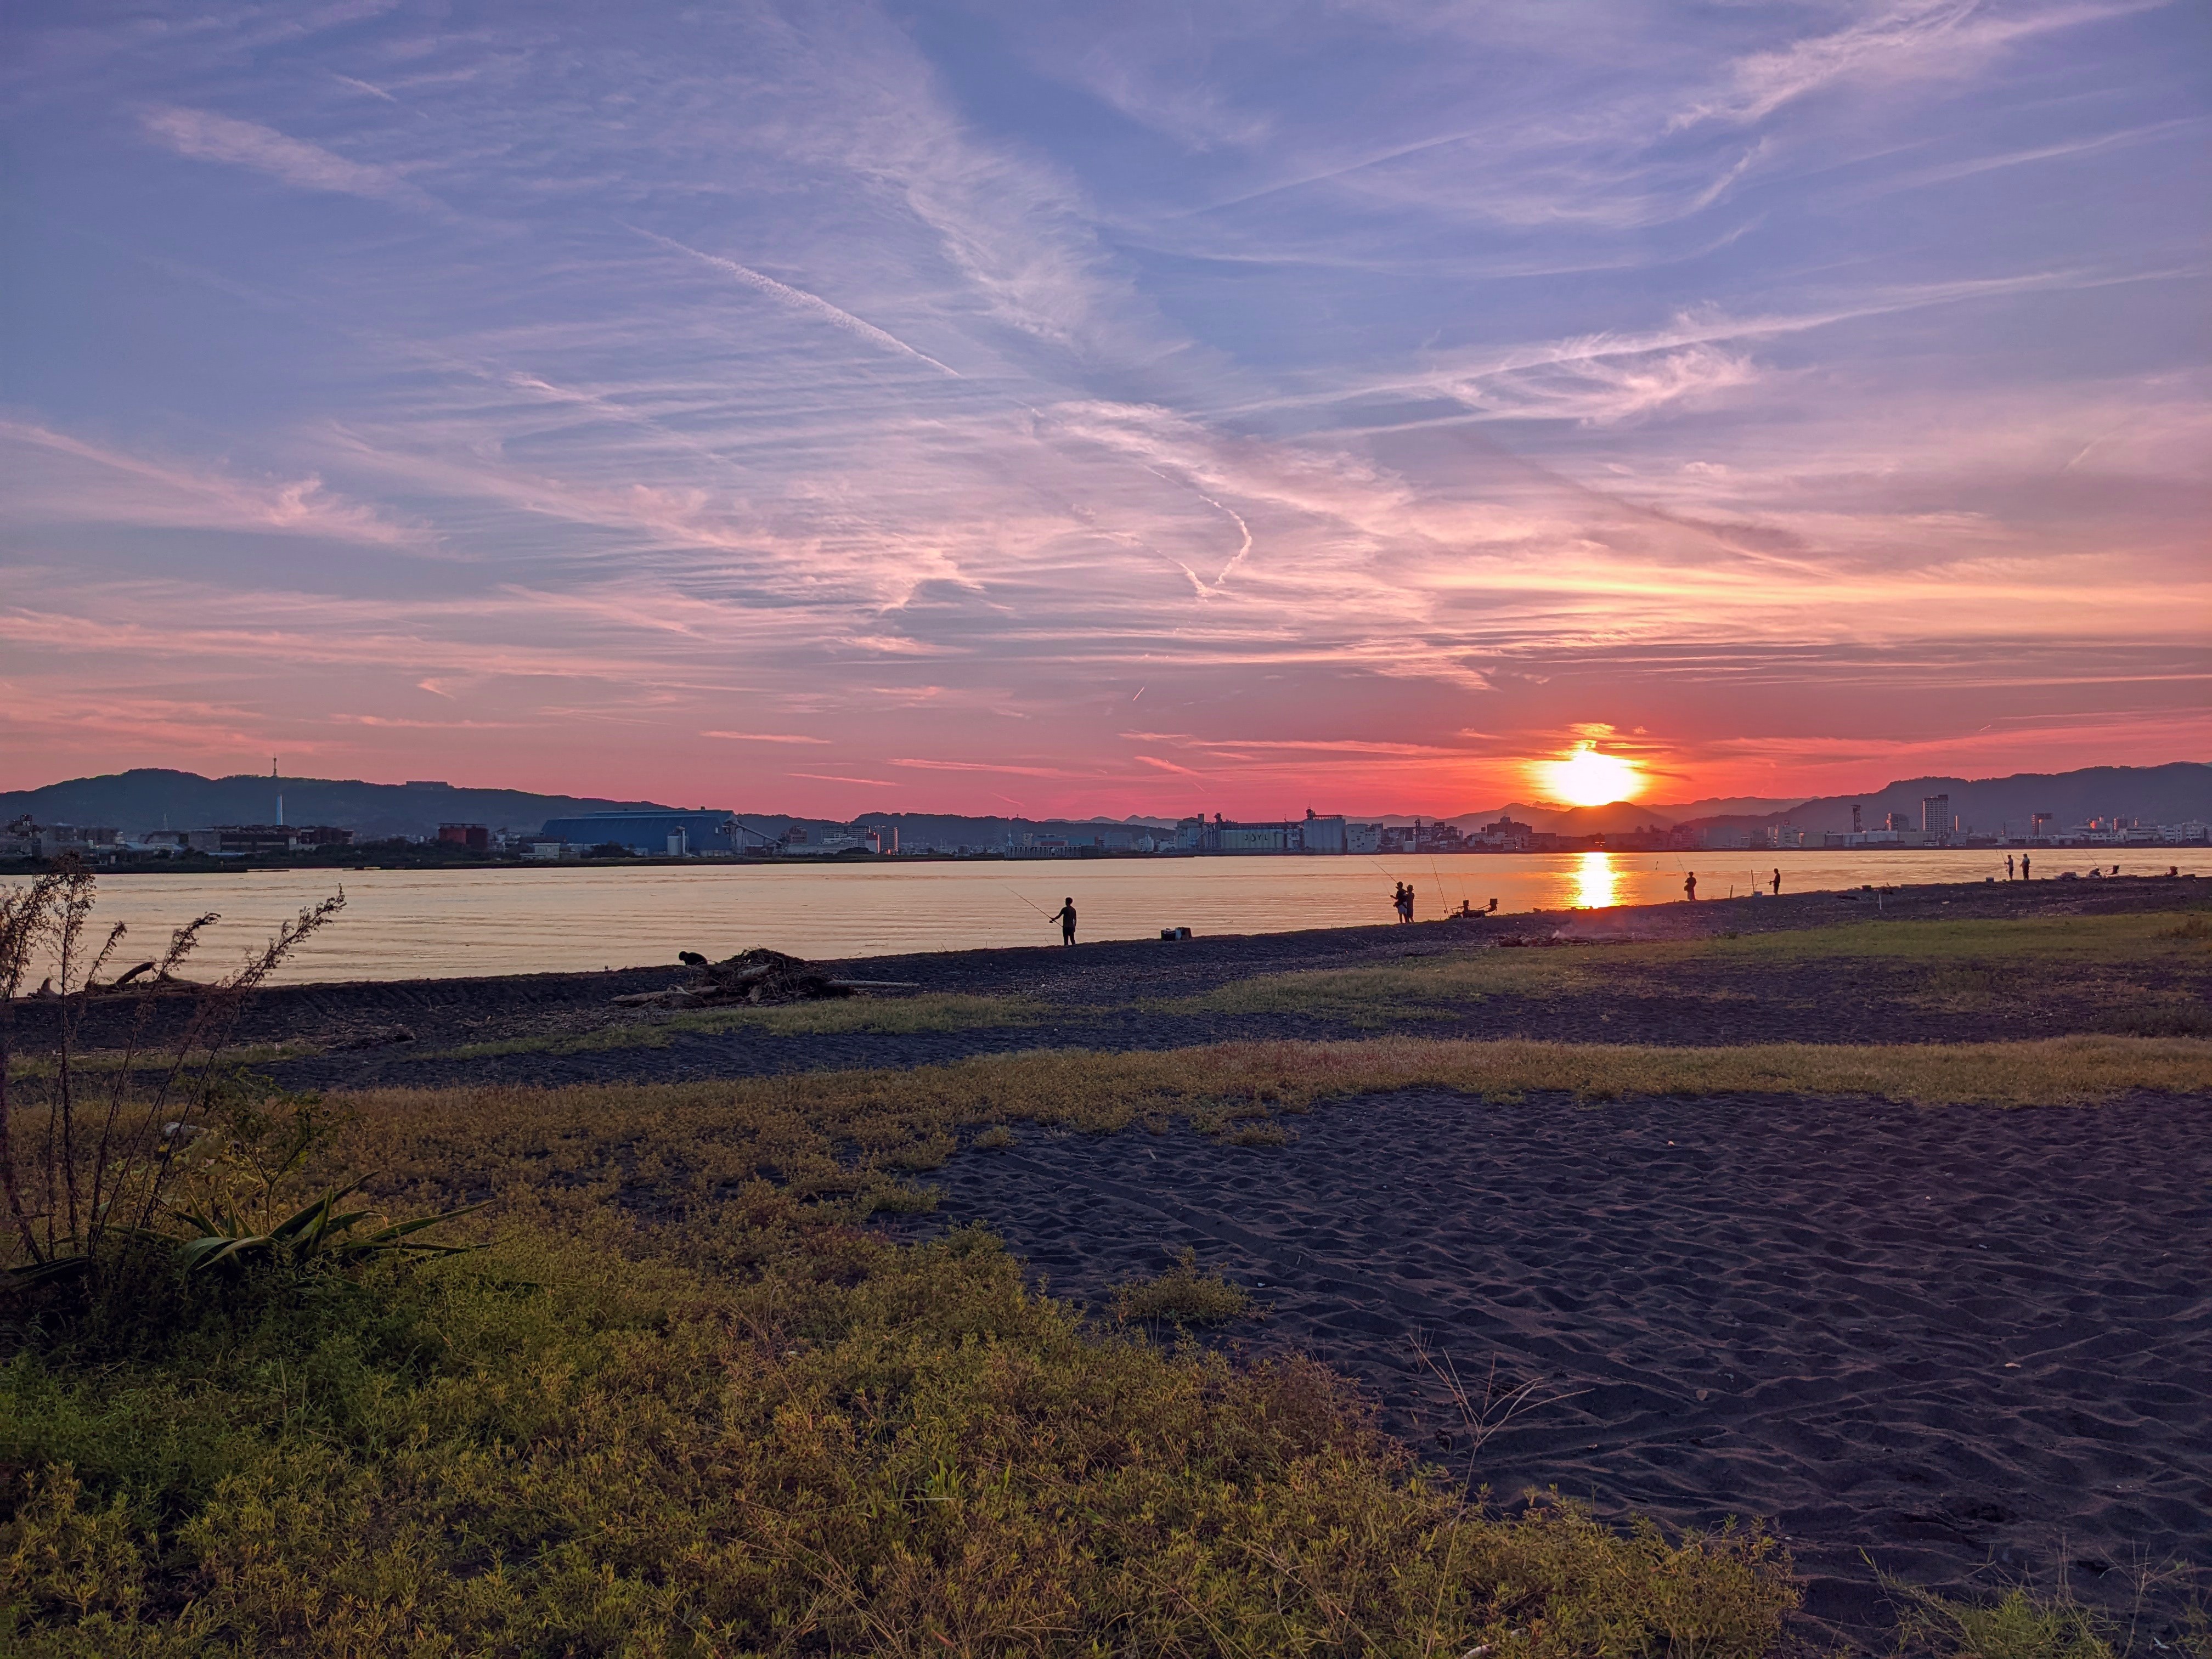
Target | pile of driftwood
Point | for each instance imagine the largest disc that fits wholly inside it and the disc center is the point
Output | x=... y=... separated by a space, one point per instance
x=752 y=977
x=132 y=981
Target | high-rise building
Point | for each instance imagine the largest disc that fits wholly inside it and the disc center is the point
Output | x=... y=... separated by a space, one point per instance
x=1935 y=815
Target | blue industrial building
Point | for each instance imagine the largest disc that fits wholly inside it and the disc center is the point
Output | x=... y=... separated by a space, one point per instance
x=656 y=834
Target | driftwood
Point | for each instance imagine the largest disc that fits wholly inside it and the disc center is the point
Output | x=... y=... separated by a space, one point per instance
x=755 y=978
x=130 y=981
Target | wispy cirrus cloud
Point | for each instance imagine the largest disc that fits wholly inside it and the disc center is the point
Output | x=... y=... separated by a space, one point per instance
x=1332 y=387
x=1932 y=37
x=205 y=136
x=811 y=305
x=112 y=486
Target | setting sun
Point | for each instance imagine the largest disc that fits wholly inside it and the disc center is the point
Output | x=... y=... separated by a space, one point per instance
x=1587 y=778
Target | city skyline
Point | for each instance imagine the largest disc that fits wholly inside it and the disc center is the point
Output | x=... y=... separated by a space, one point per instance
x=973 y=409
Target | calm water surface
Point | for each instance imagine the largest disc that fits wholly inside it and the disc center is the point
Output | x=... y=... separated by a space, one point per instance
x=408 y=924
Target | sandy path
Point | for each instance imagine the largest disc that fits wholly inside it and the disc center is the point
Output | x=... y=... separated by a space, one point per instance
x=1949 y=1338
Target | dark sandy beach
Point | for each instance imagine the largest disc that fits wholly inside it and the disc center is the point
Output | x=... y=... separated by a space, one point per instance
x=1969 y=1342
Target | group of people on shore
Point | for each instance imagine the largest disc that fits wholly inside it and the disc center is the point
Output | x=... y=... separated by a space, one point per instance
x=1690 y=886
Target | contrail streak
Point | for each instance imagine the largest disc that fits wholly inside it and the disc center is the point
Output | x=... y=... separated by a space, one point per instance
x=804 y=302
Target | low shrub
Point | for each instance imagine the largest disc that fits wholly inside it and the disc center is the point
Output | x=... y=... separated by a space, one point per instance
x=1181 y=1295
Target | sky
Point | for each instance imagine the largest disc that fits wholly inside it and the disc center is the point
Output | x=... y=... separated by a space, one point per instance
x=1081 y=409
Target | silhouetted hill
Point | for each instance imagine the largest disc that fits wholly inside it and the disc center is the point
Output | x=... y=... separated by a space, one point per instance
x=1621 y=816
x=2173 y=794
x=153 y=797
x=156 y=798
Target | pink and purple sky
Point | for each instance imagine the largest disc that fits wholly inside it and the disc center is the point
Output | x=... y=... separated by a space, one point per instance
x=1105 y=409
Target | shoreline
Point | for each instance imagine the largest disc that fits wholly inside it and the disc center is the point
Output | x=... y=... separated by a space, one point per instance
x=13 y=869
x=566 y=1027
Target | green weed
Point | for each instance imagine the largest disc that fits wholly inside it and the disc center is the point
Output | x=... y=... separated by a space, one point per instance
x=1181 y=1295
x=2020 y=1625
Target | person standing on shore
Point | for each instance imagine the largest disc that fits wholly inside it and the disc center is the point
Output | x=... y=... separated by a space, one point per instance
x=1690 y=887
x=1777 y=884
x=1066 y=917
x=2008 y=866
x=2023 y=866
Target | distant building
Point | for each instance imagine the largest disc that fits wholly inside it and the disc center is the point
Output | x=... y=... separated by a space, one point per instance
x=1322 y=835
x=26 y=838
x=1935 y=815
x=475 y=837
x=1505 y=836
x=644 y=833
x=267 y=840
x=1312 y=834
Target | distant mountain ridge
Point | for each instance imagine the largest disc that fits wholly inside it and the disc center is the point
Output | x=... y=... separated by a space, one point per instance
x=158 y=798
x=2177 y=792
x=151 y=797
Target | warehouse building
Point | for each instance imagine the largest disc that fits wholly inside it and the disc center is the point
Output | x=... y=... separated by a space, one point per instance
x=654 y=834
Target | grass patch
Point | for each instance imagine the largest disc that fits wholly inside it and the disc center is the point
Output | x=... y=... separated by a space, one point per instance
x=1429 y=987
x=2019 y=1625
x=1256 y=1134
x=1957 y=964
x=2156 y=935
x=1181 y=1296
x=945 y=1011
x=654 y=1442
x=104 y=1062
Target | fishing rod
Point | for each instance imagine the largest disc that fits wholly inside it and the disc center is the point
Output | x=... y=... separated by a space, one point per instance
x=1384 y=868
x=1025 y=899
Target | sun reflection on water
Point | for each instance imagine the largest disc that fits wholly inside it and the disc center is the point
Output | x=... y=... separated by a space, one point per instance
x=1594 y=877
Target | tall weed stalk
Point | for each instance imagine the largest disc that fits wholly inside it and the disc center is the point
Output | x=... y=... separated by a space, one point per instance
x=89 y=1153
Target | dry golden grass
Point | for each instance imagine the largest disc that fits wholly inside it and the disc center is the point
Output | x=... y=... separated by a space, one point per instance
x=844 y=1134
x=933 y=1012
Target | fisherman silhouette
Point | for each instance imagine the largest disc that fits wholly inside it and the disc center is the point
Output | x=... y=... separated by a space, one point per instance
x=2008 y=866
x=1690 y=886
x=1402 y=900
x=1777 y=884
x=1066 y=917
x=2023 y=866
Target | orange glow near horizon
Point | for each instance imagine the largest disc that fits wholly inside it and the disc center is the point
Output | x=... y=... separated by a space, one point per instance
x=1586 y=777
